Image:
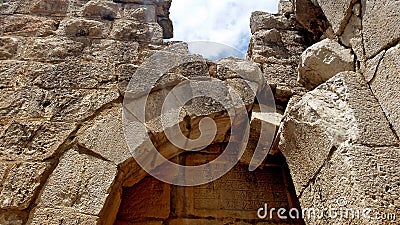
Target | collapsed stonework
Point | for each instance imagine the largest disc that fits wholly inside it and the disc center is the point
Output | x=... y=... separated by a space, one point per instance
x=65 y=68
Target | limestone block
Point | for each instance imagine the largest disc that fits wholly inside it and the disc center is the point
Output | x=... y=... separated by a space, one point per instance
x=28 y=25
x=106 y=10
x=77 y=27
x=341 y=110
x=20 y=182
x=128 y=30
x=266 y=21
x=12 y=74
x=8 y=47
x=285 y=7
x=54 y=216
x=22 y=103
x=8 y=217
x=73 y=74
x=54 y=104
x=380 y=25
x=311 y=16
x=106 y=136
x=386 y=86
x=79 y=182
x=337 y=12
x=352 y=36
x=140 y=13
x=77 y=105
x=322 y=61
x=28 y=140
x=111 y=51
x=371 y=66
x=357 y=177
x=51 y=49
x=44 y=7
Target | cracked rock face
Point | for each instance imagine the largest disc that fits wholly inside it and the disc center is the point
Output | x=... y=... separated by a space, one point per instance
x=322 y=61
x=342 y=110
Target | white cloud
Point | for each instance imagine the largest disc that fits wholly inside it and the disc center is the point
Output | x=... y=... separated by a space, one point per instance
x=221 y=21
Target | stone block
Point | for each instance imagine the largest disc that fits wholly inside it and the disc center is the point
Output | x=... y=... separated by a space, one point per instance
x=80 y=182
x=20 y=183
x=341 y=110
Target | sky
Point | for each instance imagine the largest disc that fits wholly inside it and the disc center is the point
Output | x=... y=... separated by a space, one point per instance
x=226 y=22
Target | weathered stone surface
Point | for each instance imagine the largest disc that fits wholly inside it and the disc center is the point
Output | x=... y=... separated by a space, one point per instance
x=285 y=7
x=111 y=51
x=44 y=7
x=263 y=126
x=356 y=177
x=148 y=199
x=106 y=136
x=76 y=27
x=27 y=25
x=55 y=104
x=106 y=10
x=24 y=140
x=23 y=103
x=386 y=86
x=73 y=74
x=238 y=194
x=380 y=25
x=8 y=217
x=140 y=13
x=128 y=30
x=337 y=12
x=341 y=110
x=8 y=47
x=310 y=16
x=51 y=49
x=322 y=61
x=352 y=34
x=371 y=66
x=64 y=216
x=80 y=182
x=276 y=47
x=266 y=21
x=20 y=182
x=12 y=74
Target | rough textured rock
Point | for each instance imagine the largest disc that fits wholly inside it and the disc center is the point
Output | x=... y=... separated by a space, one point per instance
x=67 y=217
x=310 y=16
x=337 y=12
x=80 y=183
x=386 y=86
x=352 y=34
x=369 y=178
x=65 y=67
x=276 y=45
x=105 y=136
x=33 y=140
x=341 y=110
x=322 y=61
x=20 y=183
x=380 y=25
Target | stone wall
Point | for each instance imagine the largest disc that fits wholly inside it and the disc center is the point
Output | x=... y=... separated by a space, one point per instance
x=341 y=138
x=65 y=67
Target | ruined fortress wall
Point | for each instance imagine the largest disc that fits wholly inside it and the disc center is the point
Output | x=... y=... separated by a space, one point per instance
x=341 y=138
x=65 y=66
